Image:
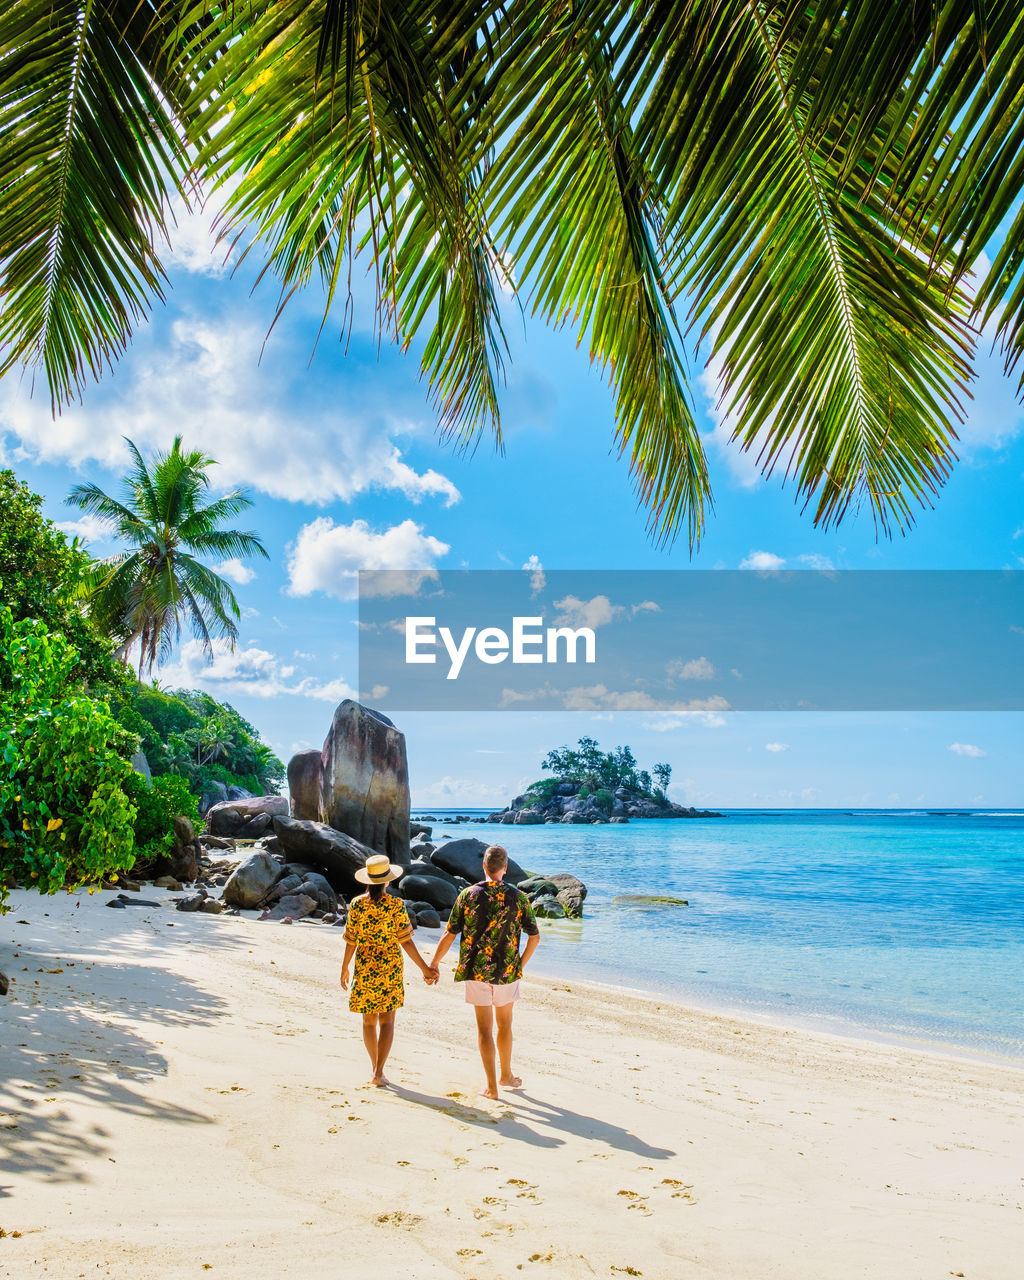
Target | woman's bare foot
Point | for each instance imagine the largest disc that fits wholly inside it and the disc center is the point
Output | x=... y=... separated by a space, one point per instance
x=489 y=1093
x=380 y=1082
x=511 y=1082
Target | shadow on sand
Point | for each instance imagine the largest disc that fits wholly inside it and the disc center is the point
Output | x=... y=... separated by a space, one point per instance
x=68 y=1037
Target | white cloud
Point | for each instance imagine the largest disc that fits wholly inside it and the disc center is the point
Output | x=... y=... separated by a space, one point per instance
x=598 y=697
x=535 y=569
x=815 y=561
x=645 y=606
x=966 y=749
x=319 y=454
x=574 y=612
x=235 y=571
x=88 y=528
x=764 y=561
x=695 y=669
x=775 y=747
x=256 y=672
x=327 y=557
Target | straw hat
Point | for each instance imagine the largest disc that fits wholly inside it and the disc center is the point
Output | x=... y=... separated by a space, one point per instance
x=378 y=870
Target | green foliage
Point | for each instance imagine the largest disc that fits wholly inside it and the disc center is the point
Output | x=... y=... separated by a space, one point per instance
x=157 y=804
x=165 y=516
x=40 y=575
x=604 y=799
x=592 y=769
x=190 y=734
x=543 y=789
x=65 y=817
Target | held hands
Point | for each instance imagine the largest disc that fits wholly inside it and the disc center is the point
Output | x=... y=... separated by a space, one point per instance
x=431 y=974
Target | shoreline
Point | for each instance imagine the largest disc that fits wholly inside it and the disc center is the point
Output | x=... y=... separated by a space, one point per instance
x=649 y=1138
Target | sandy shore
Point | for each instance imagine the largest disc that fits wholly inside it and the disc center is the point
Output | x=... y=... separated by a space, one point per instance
x=186 y=1094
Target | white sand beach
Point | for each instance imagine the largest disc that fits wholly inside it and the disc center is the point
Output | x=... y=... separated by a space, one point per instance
x=186 y=1095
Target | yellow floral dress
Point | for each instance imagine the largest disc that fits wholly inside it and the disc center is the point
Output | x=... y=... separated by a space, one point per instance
x=377 y=929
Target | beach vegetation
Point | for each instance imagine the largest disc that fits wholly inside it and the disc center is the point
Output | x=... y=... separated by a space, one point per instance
x=65 y=816
x=805 y=188
x=145 y=594
x=596 y=771
x=157 y=804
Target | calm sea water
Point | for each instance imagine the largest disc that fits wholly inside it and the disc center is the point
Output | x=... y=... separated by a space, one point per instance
x=903 y=925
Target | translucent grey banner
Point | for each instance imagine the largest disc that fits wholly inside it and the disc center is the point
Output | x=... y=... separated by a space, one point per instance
x=691 y=642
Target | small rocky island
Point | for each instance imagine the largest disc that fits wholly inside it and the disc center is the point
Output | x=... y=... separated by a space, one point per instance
x=595 y=786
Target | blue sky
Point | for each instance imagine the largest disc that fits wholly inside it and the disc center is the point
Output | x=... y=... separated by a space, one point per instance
x=342 y=460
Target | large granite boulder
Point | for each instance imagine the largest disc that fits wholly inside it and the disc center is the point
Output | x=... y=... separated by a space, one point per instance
x=252 y=880
x=359 y=783
x=366 y=780
x=424 y=867
x=438 y=893
x=215 y=793
x=240 y=818
x=335 y=853
x=305 y=786
x=466 y=858
x=548 y=908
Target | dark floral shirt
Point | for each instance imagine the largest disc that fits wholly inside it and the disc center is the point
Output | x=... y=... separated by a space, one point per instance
x=491 y=918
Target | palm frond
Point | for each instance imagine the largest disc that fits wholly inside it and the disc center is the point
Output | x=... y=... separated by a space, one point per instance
x=91 y=149
x=844 y=349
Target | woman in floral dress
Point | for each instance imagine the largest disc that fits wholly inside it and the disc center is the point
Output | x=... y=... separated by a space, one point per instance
x=378 y=925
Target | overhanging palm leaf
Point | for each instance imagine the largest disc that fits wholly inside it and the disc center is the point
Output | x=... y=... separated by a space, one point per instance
x=144 y=595
x=843 y=348
x=92 y=145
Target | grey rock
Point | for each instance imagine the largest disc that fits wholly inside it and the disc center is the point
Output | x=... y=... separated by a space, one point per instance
x=538 y=887
x=465 y=858
x=366 y=780
x=215 y=793
x=618 y=818
x=418 y=829
x=141 y=765
x=191 y=901
x=528 y=817
x=182 y=859
x=424 y=867
x=5 y=984
x=238 y=793
x=421 y=849
x=293 y=906
x=228 y=817
x=428 y=919
x=168 y=882
x=305 y=785
x=431 y=890
x=318 y=887
x=116 y=903
x=212 y=907
x=337 y=855
x=648 y=900
x=287 y=884
x=571 y=893
x=549 y=909
x=253 y=880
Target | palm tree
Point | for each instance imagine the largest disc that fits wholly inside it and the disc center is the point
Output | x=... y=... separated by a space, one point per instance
x=803 y=184
x=144 y=594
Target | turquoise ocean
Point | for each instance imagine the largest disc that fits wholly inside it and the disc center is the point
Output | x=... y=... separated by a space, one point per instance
x=895 y=925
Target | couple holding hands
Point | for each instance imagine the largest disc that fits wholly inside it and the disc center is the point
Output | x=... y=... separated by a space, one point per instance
x=490 y=916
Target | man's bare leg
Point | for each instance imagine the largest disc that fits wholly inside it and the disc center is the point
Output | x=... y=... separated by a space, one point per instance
x=503 y=1015
x=485 y=1041
x=385 y=1039
x=370 y=1037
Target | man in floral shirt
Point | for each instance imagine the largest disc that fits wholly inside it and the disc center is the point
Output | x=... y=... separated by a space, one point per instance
x=492 y=916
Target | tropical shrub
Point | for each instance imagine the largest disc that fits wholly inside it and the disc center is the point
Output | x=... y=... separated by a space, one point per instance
x=65 y=817
x=604 y=799
x=157 y=804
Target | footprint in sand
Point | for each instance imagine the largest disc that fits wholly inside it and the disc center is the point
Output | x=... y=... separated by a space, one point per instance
x=525 y=1191
x=636 y=1201
x=398 y=1219
x=469 y=1253
x=681 y=1190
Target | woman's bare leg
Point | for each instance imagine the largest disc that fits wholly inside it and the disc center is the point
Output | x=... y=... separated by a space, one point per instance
x=385 y=1039
x=370 y=1038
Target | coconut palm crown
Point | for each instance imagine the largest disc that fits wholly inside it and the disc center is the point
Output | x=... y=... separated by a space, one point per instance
x=145 y=594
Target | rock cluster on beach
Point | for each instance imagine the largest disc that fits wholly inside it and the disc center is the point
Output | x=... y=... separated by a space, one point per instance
x=572 y=804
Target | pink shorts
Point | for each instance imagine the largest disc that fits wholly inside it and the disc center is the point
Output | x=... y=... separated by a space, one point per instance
x=491 y=993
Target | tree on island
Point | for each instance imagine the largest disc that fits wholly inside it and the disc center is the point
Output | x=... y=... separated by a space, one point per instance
x=143 y=595
x=587 y=766
x=807 y=187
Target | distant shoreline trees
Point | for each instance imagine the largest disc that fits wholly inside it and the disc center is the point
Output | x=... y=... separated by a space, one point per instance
x=589 y=766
